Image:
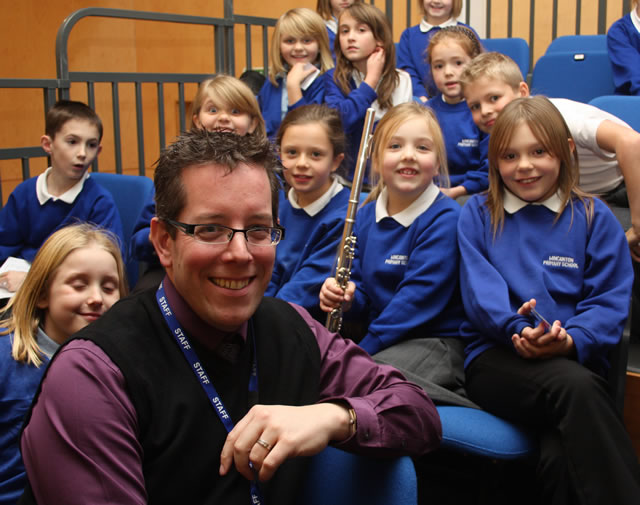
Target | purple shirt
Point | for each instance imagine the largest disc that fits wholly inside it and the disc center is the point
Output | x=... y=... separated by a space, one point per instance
x=86 y=425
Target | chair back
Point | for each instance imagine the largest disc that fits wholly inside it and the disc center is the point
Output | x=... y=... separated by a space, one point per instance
x=514 y=47
x=131 y=193
x=340 y=478
x=626 y=108
x=576 y=76
x=578 y=43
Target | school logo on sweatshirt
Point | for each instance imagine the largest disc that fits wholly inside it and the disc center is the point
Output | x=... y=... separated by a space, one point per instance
x=560 y=261
x=397 y=259
x=468 y=143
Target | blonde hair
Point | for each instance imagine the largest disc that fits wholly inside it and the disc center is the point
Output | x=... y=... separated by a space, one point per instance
x=456 y=8
x=388 y=126
x=462 y=35
x=22 y=315
x=549 y=128
x=227 y=91
x=492 y=65
x=299 y=22
x=379 y=25
x=323 y=7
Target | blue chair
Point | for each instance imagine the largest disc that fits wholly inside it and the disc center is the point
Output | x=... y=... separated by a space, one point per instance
x=577 y=76
x=578 y=43
x=626 y=108
x=131 y=193
x=336 y=477
x=514 y=47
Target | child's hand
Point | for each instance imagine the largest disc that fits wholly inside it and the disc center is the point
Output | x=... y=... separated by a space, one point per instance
x=375 y=65
x=12 y=280
x=298 y=73
x=525 y=308
x=332 y=296
x=535 y=343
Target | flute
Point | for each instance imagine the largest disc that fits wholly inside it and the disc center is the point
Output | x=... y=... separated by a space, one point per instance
x=347 y=247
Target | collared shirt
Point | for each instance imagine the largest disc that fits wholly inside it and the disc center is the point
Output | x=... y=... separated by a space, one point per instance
x=425 y=27
x=45 y=343
x=411 y=213
x=68 y=196
x=635 y=19
x=402 y=93
x=513 y=204
x=306 y=82
x=332 y=24
x=313 y=208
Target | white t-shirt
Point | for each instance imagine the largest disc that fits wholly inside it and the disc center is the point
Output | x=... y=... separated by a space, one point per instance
x=599 y=169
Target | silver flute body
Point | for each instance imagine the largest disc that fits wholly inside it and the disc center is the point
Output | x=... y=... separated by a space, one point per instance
x=346 y=250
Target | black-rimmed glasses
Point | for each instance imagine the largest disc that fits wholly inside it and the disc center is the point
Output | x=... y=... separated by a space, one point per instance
x=220 y=234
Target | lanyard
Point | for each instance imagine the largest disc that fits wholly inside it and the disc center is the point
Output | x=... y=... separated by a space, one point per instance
x=199 y=371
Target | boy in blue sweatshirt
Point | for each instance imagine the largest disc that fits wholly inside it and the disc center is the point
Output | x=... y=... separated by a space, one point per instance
x=64 y=194
x=623 y=44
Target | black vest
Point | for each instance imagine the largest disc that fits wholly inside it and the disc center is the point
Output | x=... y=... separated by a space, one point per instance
x=180 y=433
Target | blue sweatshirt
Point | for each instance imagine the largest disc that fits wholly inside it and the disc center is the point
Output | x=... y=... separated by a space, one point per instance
x=412 y=58
x=140 y=246
x=407 y=276
x=270 y=100
x=623 y=44
x=25 y=224
x=580 y=275
x=467 y=146
x=306 y=257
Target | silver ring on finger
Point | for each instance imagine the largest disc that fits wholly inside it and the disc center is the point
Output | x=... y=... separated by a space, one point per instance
x=264 y=444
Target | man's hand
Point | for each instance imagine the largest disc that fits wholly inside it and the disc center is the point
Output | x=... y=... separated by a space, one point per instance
x=287 y=432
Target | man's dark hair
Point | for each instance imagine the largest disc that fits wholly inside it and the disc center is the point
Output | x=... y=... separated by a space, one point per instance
x=66 y=110
x=200 y=147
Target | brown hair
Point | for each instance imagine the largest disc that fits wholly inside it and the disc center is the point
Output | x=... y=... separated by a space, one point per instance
x=388 y=126
x=227 y=91
x=326 y=116
x=299 y=22
x=492 y=65
x=22 y=315
x=379 y=25
x=323 y=7
x=200 y=147
x=465 y=38
x=456 y=8
x=66 y=110
x=548 y=126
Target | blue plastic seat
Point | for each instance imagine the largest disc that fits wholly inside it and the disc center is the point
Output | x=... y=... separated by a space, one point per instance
x=340 y=478
x=131 y=193
x=514 y=47
x=576 y=76
x=578 y=43
x=626 y=108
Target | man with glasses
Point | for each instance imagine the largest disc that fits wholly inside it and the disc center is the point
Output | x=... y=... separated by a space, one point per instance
x=204 y=390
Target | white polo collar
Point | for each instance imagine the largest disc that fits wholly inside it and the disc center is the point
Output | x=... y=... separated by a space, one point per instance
x=313 y=208
x=513 y=204
x=69 y=196
x=412 y=212
x=425 y=27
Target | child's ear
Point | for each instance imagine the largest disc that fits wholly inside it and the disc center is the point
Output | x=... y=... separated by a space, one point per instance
x=196 y=121
x=45 y=142
x=43 y=300
x=336 y=162
x=572 y=145
x=523 y=89
x=253 y=125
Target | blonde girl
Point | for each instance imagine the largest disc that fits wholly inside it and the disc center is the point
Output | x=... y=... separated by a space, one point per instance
x=414 y=41
x=404 y=285
x=365 y=74
x=299 y=53
x=222 y=103
x=329 y=11
x=449 y=51
x=312 y=144
x=75 y=277
x=535 y=241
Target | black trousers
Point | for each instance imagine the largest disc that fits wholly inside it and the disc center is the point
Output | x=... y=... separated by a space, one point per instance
x=586 y=456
